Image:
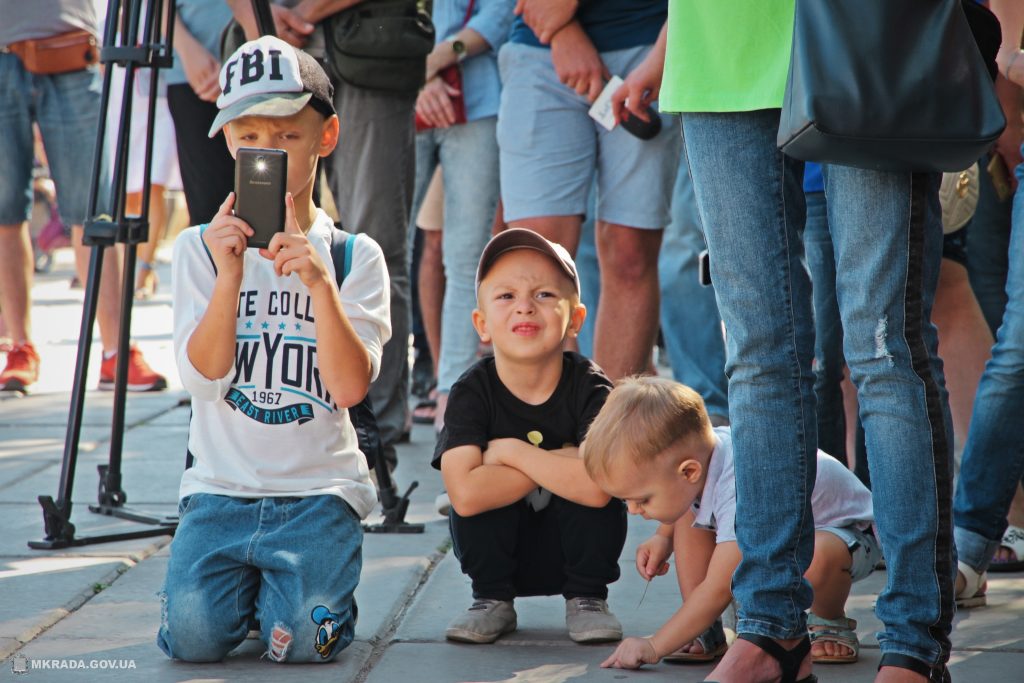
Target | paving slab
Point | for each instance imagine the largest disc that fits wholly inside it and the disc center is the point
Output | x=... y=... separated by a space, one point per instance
x=50 y=588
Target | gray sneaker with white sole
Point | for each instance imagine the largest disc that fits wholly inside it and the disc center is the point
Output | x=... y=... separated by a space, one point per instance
x=484 y=622
x=590 y=621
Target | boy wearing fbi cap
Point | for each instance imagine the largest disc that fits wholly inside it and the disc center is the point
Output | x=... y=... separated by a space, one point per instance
x=526 y=519
x=273 y=355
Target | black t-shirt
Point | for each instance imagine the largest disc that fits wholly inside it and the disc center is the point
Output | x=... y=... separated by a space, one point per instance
x=480 y=408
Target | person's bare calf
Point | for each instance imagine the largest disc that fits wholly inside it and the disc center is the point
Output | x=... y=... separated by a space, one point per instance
x=627 y=316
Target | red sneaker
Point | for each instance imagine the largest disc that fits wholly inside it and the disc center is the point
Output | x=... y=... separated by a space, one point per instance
x=141 y=377
x=22 y=368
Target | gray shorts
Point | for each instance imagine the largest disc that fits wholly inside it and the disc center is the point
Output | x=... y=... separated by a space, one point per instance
x=865 y=552
x=551 y=148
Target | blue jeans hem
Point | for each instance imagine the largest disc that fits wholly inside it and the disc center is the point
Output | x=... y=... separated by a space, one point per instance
x=974 y=549
x=769 y=629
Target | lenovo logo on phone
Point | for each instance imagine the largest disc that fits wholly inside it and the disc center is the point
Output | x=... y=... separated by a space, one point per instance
x=260 y=179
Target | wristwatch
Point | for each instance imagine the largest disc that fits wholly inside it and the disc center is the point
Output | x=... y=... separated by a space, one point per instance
x=459 y=48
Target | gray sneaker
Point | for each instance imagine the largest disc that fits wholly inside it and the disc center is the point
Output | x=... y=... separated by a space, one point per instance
x=590 y=621
x=484 y=622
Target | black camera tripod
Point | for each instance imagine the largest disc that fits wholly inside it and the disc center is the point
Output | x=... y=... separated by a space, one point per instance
x=135 y=37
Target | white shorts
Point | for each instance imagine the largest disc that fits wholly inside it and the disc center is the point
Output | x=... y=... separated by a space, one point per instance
x=165 y=150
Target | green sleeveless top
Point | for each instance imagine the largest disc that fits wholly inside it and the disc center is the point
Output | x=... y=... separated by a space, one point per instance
x=726 y=55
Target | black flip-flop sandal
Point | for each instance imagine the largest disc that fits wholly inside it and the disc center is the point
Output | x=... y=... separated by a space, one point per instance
x=789 y=660
x=425 y=412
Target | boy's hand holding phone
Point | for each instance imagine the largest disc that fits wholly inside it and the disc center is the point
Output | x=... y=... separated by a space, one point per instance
x=291 y=251
x=226 y=237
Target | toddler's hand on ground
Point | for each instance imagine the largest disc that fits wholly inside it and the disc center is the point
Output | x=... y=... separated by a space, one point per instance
x=651 y=556
x=632 y=653
x=292 y=252
x=226 y=237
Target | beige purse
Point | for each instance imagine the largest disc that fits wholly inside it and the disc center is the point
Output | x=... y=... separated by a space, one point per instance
x=958 y=195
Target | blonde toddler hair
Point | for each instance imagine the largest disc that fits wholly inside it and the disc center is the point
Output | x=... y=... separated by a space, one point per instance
x=642 y=417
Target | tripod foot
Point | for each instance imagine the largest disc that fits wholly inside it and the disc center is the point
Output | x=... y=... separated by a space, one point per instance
x=395 y=508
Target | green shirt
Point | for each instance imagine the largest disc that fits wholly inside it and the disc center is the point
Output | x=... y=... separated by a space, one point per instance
x=726 y=55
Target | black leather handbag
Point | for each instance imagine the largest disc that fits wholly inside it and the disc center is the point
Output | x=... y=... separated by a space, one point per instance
x=896 y=85
x=376 y=44
x=380 y=44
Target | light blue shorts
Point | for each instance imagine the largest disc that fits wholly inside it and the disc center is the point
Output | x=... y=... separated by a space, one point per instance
x=551 y=148
x=865 y=552
x=67 y=109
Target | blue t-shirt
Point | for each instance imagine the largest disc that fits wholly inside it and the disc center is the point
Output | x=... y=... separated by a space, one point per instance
x=813 y=181
x=610 y=24
x=205 y=20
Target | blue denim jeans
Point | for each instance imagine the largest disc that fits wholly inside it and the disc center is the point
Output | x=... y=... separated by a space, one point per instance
x=690 y=322
x=987 y=253
x=993 y=459
x=468 y=154
x=888 y=239
x=291 y=563
x=828 y=329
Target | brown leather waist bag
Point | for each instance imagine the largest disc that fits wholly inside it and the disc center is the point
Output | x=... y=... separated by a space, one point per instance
x=71 y=51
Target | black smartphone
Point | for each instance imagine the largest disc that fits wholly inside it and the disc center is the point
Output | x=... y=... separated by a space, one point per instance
x=260 y=179
x=704 y=268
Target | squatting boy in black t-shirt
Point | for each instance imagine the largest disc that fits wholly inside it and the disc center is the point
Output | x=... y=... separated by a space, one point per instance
x=526 y=519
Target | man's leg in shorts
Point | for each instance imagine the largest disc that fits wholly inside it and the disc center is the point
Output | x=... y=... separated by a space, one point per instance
x=964 y=337
x=629 y=291
x=16 y=280
x=15 y=198
x=373 y=183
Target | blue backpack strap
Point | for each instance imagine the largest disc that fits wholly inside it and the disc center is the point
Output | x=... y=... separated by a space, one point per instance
x=350 y=245
x=342 y=244
x=202 y=229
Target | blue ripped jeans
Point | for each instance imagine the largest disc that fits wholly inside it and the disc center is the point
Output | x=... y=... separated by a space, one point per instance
x=291 y=563
x=888 y=240
x=993 y=460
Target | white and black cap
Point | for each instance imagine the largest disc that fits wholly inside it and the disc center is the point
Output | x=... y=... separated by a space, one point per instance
x=269 y=77
x=522 y=238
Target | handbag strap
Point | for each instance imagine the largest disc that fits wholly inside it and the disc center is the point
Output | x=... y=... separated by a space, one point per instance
x=469 y=13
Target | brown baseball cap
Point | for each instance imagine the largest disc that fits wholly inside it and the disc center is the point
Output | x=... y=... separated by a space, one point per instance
x=522 y=238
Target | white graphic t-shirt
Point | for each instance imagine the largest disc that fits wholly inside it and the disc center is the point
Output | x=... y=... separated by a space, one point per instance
x=839 y=498
x=270 y=427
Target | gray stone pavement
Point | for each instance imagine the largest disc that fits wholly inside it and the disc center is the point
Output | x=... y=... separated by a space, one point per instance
x=97 y=605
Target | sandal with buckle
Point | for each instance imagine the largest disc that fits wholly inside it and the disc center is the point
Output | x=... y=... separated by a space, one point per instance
x=789 y=660
x=839 y=631
x=935 y=674
x=1013 y=540
x=711 y=641
x=973 y=592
